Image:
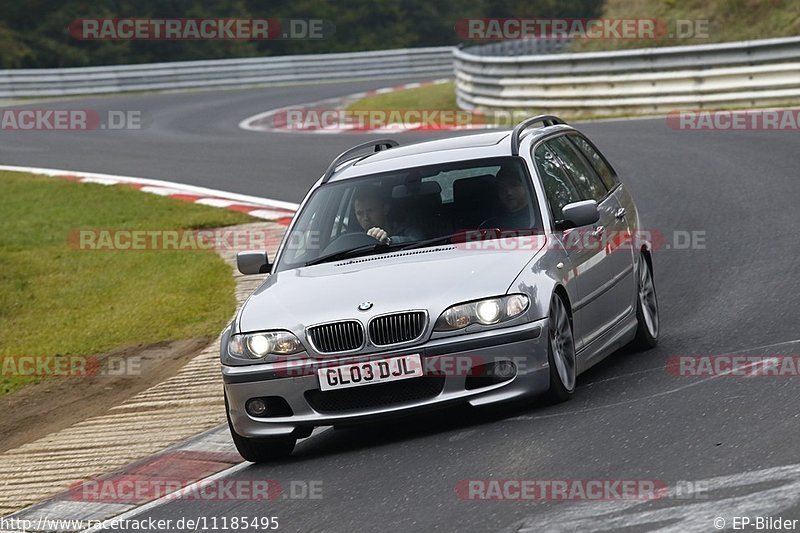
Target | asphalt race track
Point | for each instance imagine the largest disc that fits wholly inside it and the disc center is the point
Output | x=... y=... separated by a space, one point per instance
x=737 y=437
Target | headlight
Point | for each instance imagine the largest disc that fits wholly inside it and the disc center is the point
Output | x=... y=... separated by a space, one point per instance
x=260 y=345
x=487 y=312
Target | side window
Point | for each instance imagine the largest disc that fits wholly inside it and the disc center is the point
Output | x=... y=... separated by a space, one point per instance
x=447 y=178
x=599 y=163
x=558 y=186
x=586 y=180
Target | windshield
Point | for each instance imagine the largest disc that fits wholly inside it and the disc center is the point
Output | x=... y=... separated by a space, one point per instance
x=383 y=212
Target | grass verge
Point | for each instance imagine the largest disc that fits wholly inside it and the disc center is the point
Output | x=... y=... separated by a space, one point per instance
x=703 y=22
x=440 y=96
x=59 y=301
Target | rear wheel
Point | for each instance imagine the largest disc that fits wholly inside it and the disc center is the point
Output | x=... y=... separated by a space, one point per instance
x=560 y=352
x=646 y=308
x=261 y=450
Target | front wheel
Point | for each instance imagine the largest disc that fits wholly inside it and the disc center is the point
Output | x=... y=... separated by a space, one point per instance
x=261 y=450
x=646 y=308
x=560 y=352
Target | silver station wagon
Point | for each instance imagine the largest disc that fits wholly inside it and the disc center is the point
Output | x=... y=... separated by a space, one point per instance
x=470 y=270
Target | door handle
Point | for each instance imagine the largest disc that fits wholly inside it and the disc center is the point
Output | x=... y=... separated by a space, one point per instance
x=620 y=213
x=598 y=232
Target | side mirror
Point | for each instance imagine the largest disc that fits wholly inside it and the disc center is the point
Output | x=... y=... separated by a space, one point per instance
x=579 y=214
x=253 y=262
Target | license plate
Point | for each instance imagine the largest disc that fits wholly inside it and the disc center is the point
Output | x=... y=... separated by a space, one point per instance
x=369 y=372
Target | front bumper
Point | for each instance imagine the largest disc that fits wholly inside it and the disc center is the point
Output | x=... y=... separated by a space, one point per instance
x=524 y=345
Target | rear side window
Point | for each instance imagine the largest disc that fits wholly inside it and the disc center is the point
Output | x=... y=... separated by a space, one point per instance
x=599 y=162
x=558 y=187
x=447 y=178
x=586 y=180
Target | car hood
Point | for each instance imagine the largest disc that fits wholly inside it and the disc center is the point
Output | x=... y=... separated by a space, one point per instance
x=432 y=279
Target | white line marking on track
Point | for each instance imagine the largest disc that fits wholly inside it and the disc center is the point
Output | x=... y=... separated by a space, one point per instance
x=765 y=492
x=634 y=400
x=198 y=485
x=756 y=348
x=193 y=189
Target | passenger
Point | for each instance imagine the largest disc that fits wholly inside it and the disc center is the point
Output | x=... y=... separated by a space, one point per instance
x=373 y=212
x=514 y=198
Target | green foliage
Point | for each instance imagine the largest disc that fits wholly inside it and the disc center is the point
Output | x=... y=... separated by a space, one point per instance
x=728 y=20
x=34 y=33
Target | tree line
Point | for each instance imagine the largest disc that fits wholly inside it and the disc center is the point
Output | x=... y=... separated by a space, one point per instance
x=35 y=34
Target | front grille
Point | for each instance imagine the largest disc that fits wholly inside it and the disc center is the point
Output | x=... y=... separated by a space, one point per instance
x=377 y=395
x=337 y=336
x=396 y=328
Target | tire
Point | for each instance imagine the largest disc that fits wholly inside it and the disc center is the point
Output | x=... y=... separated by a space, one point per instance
x=647 y=320
x=560 y=353
x=260 y=450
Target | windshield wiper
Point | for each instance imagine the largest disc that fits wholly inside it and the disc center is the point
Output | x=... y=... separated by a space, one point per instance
x=378 y=246
x=468 y=236
x=430 y=242
x=346 y=253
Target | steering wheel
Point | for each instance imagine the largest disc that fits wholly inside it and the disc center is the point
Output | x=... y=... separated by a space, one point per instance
x=483 y=225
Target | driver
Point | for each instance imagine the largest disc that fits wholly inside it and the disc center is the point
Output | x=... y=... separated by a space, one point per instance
x=373 y=214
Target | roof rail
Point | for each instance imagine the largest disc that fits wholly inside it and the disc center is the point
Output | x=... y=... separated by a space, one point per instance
x=546 y=120
x=351 y=153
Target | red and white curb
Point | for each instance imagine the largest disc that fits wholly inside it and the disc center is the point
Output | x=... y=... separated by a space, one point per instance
x=263 y=122
x=198 y=466
x=191 y=461
x=274 y=210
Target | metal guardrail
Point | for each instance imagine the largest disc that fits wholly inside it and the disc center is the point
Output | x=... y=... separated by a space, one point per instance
x=651 y=80
x=227 y=73
x=521 y=47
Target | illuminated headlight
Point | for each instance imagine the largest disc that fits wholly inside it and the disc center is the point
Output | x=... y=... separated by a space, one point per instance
x=262 y=344
x=487 y=312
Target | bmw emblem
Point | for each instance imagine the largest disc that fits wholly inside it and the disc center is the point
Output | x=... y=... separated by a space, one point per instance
x=365 y=306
